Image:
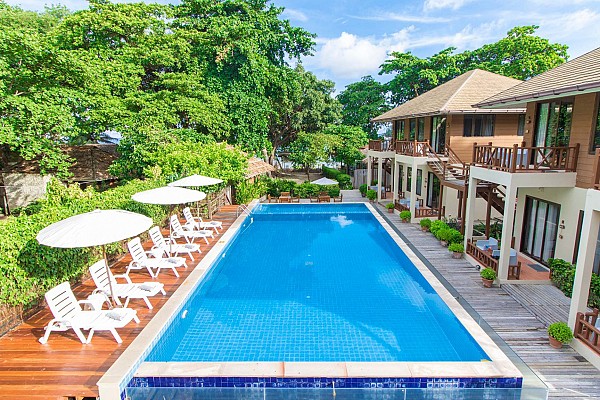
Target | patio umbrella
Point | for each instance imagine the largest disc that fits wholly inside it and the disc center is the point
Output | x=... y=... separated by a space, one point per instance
x=169 y=195
x=196 y=181
x=325 y=181
x=95 y=228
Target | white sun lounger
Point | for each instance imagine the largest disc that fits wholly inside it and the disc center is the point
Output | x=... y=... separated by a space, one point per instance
x=174 y=248
x=198 y=224
x=102 y=276
x=68 y=314
x=141 y=260
x=188 y=234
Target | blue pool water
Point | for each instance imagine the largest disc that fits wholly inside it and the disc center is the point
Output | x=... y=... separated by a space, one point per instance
x=315 y=283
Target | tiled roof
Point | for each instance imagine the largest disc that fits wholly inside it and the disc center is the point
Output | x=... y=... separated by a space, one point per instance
x=455 y=96
x=578 y=75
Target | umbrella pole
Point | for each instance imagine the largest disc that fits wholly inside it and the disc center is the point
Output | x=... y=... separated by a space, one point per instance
x=110 y=283
x=170 y=232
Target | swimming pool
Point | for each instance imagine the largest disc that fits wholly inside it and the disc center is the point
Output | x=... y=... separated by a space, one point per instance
x=315 y=283
x=312 y=296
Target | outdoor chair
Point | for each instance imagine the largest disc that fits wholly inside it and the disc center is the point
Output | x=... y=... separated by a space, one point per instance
x=337 y=199
x=68 y=314
x=489 y=244
x=188 y=234
x=141 y=260
x=173 y=248
x=105 y=280
x=199 y=224
x=314 y=199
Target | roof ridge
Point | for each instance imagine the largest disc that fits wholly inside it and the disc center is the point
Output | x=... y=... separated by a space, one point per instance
x=471 y=72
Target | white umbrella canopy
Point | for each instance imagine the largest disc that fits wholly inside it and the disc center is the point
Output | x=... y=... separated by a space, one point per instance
x=168 y=195
x=94 y=228
x=325 y=181
x=196 y=181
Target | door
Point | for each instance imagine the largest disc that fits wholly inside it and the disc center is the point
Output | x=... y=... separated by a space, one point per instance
x=540 y=228
x=433 y=190
x=438 y=134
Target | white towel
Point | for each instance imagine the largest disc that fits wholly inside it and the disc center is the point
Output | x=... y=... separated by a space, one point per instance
x=148 y=287
x=116 y=315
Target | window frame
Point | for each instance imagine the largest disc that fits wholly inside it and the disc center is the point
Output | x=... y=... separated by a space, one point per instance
x=485 y=120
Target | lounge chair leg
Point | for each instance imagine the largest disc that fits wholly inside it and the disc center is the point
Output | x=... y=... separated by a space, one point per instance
x=89 y=338
x=126 y=302
x=116 y=335
x=175 y=272
x=147 y=300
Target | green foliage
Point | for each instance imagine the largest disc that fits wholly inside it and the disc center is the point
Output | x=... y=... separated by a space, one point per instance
x=405 y=215
x=520 y=55
x=390 y=206
x=363 y=189
x=28 y=269
x=425 y=223
x=246 y=191
x=563 y=276
x=560 y=331
x=436 y=226
x=276 y=186
x=333 y=190
x=442 y=234
x=345 y=181
x=330 y=173
x=307 y=189
x=361 y=101
x=488 y=273
x=456 y=248
x=454 y=236
x=371 y=194
x=311 y=148
x=350 y=140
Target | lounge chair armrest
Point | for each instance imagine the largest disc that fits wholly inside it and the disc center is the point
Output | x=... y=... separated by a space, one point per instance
x=123 y=276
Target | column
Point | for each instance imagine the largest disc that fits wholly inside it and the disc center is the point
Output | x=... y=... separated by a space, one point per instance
x=379 y=177
x=394 y=180
x=507 y=227
x=585 y=261
x=471 y=196
x=369 y=170
x=413 y=189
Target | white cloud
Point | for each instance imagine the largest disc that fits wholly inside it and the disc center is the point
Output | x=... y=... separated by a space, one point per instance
x=350 y=56
x=293 y=14
x=439 y=4
x=391 y=16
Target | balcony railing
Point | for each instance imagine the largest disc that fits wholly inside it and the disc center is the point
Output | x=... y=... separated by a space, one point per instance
x=596 y=183
x=586 y=331
x=526 y=159
x=413 y=148
x=484 y=257
x=381 y=145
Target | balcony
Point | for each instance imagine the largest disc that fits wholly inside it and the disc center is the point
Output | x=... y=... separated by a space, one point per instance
x=526 y=159
x=381 y=145
x=413 y=148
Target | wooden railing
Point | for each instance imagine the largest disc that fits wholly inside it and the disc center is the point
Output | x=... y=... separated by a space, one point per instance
x=412 y=148
x=482 y=256
x=596 y=183
x=586 y=331
x=421 y=211
x=526 y=159
x=381 y=145
x=375 y=145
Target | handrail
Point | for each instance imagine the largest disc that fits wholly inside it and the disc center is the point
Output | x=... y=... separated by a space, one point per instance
x=456 y=164
x=242 y=209
x=375 y=145
x=526 y=159
x=586 y=331
x=381 y=145
x=481 y=256
x=412 y=148
x=596 y=182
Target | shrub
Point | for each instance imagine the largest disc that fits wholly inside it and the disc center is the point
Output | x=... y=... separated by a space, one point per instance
x=345 y=181
x=560 y=331
x=333 y=190
x=276 y=186
x=425 y=223
x=488 y=273
x=454 y=236
x=330 y=173
x=436 y=226
x=389 y=206
x=405 y=215
x=456 y=248
x=563 y=276
x=442 y=233
x=371 y=194
x=363 y=189
x=307 y=189
x=245 y=191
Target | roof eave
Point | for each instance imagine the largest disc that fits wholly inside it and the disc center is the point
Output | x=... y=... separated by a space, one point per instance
x=451 y=112
x=522 y=100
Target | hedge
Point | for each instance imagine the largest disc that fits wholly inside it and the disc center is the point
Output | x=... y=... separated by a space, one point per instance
x=344 y=180
x=563 y=276
x=28 y=269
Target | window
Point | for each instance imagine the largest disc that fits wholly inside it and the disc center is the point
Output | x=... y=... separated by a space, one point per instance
x=438 y=133
x=553 y=123
x=412 y=126
x=521 y=125
x=596 y=139
x=419 y=181
x=479 y=125
x=416 y=129
x=401 y=132
x=408 y=178
x=421 y=129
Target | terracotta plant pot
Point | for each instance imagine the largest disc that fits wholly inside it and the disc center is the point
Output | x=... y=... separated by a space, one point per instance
x=424 y=229
x=444 y=243
x=555 y=343
x=456 y=254
x=487 y=282
x=390 y=210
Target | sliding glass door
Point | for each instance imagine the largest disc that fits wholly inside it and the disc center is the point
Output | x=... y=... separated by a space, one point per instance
x=540 y=227
x=438 y=134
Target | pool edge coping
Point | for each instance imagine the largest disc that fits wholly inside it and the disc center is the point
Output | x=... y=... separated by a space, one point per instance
x=130 y=363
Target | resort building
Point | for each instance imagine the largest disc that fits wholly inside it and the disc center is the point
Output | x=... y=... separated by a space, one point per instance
x=551 y=182
x=432 y=144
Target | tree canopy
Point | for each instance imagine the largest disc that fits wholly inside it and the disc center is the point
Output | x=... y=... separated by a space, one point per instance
x=361 y=101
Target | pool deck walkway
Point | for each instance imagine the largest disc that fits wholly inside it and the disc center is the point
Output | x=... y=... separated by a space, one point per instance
x=518 y=313
x=65 y=368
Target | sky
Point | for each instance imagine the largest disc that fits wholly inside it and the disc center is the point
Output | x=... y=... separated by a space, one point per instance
x=354 y=37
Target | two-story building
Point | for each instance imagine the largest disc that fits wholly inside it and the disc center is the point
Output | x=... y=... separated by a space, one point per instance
x=432 y=144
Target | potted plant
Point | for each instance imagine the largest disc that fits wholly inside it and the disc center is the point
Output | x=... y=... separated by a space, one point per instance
x=457 y=250
x=443 y=235
x=371 y=195
x=363 y=189
x=390 y=207
x=405 y=216
x=487 y=276
x=559 y=333
x=425 y=224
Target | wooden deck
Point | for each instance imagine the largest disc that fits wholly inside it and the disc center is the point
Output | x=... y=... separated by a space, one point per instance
x=64 y=367
x=518 y=313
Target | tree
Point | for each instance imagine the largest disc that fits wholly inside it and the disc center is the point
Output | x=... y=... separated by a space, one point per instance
x=519 y=55
x=350 y=140
x=362 y=101
x=311 y=148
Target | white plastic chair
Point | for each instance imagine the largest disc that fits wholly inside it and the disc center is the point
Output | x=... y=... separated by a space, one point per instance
x=198 y=224
x=188 y=234
x=141 y=260
x=68 y=314
x=104 y=280
x=174 y=248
